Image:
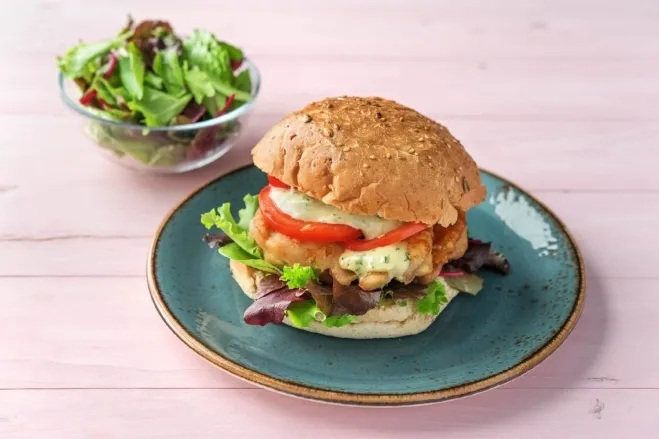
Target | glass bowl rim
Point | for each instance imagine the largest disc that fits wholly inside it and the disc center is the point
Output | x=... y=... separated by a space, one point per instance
x=234 y=114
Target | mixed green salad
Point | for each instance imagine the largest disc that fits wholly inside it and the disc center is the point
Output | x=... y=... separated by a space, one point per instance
x=148 y=75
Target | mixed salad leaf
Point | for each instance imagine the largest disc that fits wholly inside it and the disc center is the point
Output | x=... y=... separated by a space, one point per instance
x=304 y=295
x=148 y=75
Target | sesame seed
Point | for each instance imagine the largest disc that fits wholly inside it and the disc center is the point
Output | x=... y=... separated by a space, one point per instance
x=306 y=118
x=416 y=153
x=365 y=165
x=430 y=164
x=388 y=155
x=400 y=119
x=328 y=132
x=346 y=149
x=372 y=157
x=411 y=150
x=420 y=139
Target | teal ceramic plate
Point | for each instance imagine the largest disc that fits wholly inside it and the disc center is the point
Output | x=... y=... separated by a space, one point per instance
x=477 y=343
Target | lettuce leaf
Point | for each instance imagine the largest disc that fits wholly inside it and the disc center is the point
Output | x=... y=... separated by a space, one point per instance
x=298 y=276
x=203 y=50
x=338 y=321
x=434 y=300
x=302 y=314
x=243 y=82
x=131 y=71
x=166 y=65
x=74 y=62
x=479 y=255
x=159 y=108
x=243 y=248
x=467 y=283
x=222 y=218
x=153 y=80
x=199 y=85
x=235 y=252
x=246 y=214
x=271 y=304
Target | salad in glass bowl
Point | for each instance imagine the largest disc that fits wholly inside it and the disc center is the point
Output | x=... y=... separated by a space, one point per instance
x=156 y=101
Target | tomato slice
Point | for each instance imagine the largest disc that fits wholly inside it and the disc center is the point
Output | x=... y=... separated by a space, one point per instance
x=391 y=237
x=277 y=183
x=302 y=230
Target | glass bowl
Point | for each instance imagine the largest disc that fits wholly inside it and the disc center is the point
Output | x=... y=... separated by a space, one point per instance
x=163 y=149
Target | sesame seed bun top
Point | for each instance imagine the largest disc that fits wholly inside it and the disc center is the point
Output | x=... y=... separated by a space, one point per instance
x=372 y=156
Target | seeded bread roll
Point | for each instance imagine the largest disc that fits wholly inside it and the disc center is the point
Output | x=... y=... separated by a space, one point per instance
x=388 y=321
x=372 y=156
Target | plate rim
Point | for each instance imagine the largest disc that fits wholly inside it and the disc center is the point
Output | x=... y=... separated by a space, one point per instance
x=353 y=398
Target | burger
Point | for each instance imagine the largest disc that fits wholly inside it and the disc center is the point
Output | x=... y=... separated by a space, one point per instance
x=361 y=231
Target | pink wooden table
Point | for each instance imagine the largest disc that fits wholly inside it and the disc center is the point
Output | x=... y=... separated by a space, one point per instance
x=560 y=96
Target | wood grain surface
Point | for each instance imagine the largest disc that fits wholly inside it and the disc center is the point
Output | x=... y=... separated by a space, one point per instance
x=562 y=97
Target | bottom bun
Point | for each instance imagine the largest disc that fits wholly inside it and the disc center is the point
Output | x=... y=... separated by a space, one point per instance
x=386 y=321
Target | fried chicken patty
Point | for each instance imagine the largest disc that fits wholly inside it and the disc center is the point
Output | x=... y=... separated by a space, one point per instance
x=428 y=251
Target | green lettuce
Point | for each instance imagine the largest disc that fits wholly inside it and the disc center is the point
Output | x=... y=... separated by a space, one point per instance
x=199 y=84
x=302 y=314
x=338 y=321
x=246 y=214
x=243 y=81
x=467 y=283
x=223 y=219
x=236 y=253
x=166 y=65
x=243 y=248
x=159 y=108
x=153 y=80
x=131 y=71
x=74 y=62
x=434 y=300
x=298 y=276
x=203 y=50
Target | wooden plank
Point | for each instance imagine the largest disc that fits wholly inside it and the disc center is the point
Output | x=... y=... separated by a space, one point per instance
x=101 y=230
x=105 y=333
x=366 y=29
x=160 y=414
x=539 y=155
x=546 y=89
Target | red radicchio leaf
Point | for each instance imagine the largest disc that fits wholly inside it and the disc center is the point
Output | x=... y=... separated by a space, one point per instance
x=88 y=97
x=193 y=111
x=236 y=63
x=273 y=297
x=268 y=285
x=479 y=255
x=112 y=64
x=149 y=42
x=216 y=239
x=227 y=104
x=353 y=300
x=322 y=295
